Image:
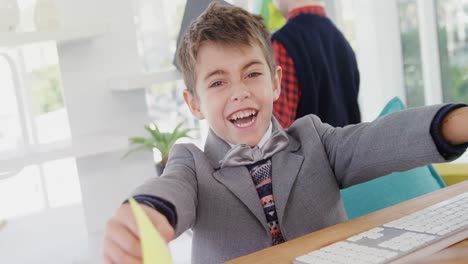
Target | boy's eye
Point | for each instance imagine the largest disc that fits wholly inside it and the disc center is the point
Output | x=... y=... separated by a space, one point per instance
x=254 y=74
x=216 y=84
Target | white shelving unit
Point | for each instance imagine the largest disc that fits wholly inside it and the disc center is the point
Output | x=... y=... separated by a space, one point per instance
x=62 y=37
x=143 y=80
x=82 y=147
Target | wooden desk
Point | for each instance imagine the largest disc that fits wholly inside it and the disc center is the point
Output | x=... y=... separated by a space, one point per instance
x=287 y=252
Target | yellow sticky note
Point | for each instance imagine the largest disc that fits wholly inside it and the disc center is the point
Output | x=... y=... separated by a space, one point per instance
x=154 y=248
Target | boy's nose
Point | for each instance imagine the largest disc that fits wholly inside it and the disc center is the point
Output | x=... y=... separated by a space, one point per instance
x=240 y=93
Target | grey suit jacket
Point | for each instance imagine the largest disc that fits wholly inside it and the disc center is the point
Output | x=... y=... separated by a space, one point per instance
x=223 y=207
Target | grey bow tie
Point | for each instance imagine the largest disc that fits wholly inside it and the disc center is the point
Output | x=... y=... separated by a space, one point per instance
x=243 y=154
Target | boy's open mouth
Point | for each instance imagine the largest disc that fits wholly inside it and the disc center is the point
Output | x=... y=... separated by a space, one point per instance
x=243 y=118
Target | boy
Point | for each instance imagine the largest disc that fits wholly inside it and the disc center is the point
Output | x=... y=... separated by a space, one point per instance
x=257 y=185
x=320 y=72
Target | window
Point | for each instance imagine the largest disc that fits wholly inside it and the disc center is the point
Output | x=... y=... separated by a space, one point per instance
x=49 y=116
x=40 y=187
x=32 y=113
x=410 y=42
x=32 y=109
x=11 y=129
x=167 y=108
x=166 y=104
x=452 y=18
x=61 y=182
x=348 y=17
x=157 y=24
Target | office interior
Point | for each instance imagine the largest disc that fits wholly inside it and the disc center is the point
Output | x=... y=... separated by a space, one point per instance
x=78 y=78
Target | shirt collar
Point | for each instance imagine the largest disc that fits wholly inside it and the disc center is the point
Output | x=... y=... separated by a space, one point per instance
x=265 y=137
x=312 y=9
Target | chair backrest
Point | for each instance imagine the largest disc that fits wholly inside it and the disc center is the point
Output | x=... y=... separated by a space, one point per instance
x=393 y=188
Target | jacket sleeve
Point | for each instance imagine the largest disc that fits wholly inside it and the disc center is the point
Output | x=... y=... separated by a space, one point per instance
x=177 y=185
x=395 y=142
x=164 y=207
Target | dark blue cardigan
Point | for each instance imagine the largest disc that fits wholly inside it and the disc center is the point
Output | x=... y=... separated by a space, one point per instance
x=326 y=68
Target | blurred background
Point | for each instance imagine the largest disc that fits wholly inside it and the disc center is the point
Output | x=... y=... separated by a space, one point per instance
x=78 y=78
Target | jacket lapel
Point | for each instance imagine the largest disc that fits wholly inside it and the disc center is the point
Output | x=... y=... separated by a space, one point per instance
x=235 y=179
x=239 y=182
x=285 y=168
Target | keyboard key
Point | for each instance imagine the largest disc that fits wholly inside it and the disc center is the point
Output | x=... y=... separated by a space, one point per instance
x=396 y=238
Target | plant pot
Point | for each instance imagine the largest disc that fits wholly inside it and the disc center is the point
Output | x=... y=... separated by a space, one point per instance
x=159 y=169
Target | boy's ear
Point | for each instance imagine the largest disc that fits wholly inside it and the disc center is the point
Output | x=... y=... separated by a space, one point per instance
x=277 y=83
x=194 y=104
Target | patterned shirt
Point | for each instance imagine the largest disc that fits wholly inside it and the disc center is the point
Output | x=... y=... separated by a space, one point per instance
x=285 y=108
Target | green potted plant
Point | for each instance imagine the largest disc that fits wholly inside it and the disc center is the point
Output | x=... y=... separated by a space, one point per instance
x=162 y=141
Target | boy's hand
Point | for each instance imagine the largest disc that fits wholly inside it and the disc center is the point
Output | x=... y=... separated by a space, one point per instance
x=122 y=239
x=455 y=126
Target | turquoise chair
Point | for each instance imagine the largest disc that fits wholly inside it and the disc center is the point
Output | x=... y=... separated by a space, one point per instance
x=393 y=188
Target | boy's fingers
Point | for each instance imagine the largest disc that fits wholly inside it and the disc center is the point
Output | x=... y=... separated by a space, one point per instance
x=116 y=255
x=123 y=230
x=124 y=238
x=166 y=231
x=160 y=223
x=124 y=215
x=107 y=260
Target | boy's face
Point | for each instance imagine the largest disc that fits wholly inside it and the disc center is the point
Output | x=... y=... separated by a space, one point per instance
x=235 y=92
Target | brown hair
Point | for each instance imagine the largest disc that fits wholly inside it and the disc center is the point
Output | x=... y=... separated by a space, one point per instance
x=226 y=25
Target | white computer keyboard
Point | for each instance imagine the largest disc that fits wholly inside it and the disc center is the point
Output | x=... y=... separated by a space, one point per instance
x=421 y=233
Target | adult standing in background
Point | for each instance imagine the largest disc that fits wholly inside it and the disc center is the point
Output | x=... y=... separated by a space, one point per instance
x=320 y=73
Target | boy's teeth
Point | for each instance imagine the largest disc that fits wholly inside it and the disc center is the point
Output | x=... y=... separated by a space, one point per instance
x=245 y=124
x=242 y=114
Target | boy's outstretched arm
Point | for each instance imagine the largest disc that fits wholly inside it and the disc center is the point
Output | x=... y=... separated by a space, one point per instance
x=121 y=239
x=454 y=126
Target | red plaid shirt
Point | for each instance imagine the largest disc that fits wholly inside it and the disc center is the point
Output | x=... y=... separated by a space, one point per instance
x=285 y=108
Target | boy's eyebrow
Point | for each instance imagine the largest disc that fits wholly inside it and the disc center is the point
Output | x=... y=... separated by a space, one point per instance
x=215 y=72
x=252 y=63
x=221 y=72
